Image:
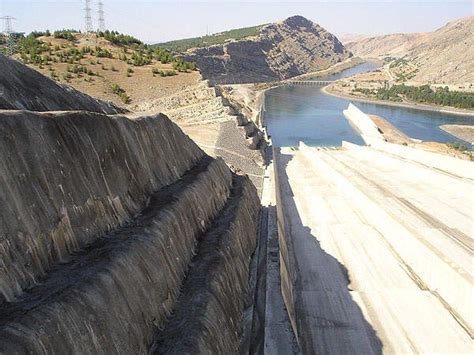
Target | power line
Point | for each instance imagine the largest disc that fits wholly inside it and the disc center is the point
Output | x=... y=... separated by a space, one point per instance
x=88 y=16
x=8 y=34
x=101 y=16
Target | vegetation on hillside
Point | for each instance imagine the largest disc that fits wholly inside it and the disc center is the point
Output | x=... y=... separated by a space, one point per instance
x=163 y=73
x=65 y=56
x=31 y=48
x=423 y=94
x=119 y=38
x=117 y=90
x=65 y=34
x=39 y=51
x=205 y=41
x=37 y=34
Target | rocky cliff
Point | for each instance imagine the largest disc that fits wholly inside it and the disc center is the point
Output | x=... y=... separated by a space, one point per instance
x=22 y=88
x=282 y=50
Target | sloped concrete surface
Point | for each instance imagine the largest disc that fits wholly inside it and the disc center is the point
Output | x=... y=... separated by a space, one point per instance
x=104 y=221
x=381 y=252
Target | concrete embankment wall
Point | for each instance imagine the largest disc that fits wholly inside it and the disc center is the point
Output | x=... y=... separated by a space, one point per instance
x=374 y=138
x=104 y=220
x=219 y=271
x=288 y=273
x=363 y=124
x=216 y=126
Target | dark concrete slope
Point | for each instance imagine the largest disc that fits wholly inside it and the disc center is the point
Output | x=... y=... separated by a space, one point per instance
x=201 y=323
x=69 y=177
x=106 y=224
x=22 y=88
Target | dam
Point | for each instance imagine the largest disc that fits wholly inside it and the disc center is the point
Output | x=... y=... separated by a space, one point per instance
x=375 y=239
x=137 y=241
x=378 y=249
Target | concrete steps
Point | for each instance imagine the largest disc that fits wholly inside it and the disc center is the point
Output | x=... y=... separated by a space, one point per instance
x=64 y=183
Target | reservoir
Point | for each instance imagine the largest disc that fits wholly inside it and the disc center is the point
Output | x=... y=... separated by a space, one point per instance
x=304 y=113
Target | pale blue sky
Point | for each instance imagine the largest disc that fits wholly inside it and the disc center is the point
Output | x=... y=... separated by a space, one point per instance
x=160 y=20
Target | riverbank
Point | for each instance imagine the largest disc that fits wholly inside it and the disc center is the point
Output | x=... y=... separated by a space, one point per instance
x=328 y=90
x=393 y=135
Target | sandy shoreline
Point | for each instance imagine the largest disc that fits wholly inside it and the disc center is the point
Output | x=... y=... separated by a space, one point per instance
x=424 y=107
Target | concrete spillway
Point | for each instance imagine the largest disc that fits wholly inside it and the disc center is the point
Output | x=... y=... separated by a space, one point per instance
x=376 y=252
x=106 y=223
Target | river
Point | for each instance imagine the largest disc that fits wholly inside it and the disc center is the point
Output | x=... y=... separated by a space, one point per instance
x=304 y=113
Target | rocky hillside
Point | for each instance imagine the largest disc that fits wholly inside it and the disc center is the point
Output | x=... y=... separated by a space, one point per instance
x=392 y=45
x=279 y=51
x=444 y=56
x=25 y=88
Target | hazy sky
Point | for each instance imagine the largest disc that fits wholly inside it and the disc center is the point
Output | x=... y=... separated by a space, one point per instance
x=160 y=20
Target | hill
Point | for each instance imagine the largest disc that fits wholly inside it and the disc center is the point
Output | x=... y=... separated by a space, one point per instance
x=24 y=88
x=391 y=45
x=107 y=65
x=444 y=56
x=276 y=51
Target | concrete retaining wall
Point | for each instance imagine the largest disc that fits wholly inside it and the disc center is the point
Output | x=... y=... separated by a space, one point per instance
x=287 y=271
x=363 y=124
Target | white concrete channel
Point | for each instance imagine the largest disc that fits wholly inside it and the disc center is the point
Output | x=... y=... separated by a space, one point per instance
x=376 y=251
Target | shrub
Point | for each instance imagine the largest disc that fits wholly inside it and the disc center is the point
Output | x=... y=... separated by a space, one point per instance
x=103 y=53
x=124 y=97
x=118 y=38
x=163 y=73
x=65 y=34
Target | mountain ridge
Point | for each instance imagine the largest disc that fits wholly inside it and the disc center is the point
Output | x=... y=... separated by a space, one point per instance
x=279 y=51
